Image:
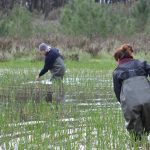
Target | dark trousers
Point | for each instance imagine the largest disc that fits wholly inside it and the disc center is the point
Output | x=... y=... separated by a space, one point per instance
x=138 y=120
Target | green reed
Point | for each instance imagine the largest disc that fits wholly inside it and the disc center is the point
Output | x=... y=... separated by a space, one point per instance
x=89 y=118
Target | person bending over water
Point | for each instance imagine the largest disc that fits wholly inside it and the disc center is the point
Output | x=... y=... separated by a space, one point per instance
x=55 y=64
x=132 y=90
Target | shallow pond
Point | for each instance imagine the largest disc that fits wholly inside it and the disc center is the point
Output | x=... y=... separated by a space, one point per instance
x=86 y=116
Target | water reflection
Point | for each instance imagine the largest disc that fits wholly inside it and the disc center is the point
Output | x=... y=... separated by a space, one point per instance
x=75 y=93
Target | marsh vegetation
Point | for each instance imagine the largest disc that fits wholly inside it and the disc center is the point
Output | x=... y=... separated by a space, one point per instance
x=88 y=118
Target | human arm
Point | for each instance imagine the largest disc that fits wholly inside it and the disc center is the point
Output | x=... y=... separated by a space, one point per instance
x=117 y=86
x=147 y=67
x=42 y=72
x=49 y=60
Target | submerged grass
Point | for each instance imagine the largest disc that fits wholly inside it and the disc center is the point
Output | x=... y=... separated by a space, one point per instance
x=66 y=127
x=89 y=118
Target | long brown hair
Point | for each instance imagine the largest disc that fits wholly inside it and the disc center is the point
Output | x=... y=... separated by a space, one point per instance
x=125 y=51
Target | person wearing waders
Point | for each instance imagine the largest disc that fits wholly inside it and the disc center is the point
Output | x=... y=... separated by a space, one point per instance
x=55 y=64
x=132 y=90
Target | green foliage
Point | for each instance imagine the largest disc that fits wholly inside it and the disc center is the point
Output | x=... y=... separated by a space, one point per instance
x=141 y=13
x=147 y=26
x=88 y=18
x=82 y=17
x=3 y=28
x=18 y=23
x=85 y=17
x=89 y=117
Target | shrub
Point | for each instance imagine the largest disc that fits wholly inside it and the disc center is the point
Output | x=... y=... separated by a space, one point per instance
x=17 y=23
x=141 y=11
x=85 y=17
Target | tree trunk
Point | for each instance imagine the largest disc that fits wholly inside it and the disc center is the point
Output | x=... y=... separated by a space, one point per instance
x=47 y=7
x=12 y=4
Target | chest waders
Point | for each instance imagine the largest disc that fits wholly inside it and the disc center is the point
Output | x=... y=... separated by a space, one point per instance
x=135 y=103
